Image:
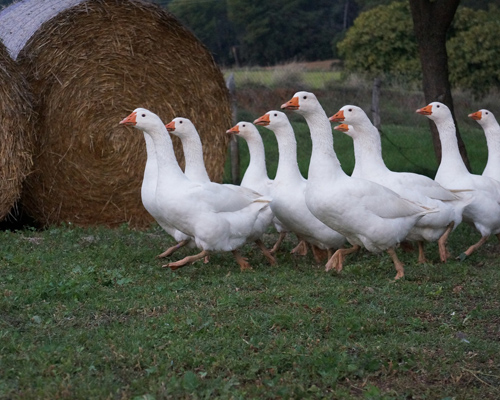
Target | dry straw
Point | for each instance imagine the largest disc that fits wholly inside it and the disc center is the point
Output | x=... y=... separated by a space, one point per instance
x=16 y=132
x=89 y=67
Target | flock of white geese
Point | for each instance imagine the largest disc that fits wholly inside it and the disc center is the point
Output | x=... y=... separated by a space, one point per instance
x=374 y=208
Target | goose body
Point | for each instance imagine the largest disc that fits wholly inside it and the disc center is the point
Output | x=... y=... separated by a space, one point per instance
x=366 y=213
x=196 y=171
x=288 y=190
x=491 y=129
x=417 y=188
x=148 y=197
x=217 y=217
x=483 y=212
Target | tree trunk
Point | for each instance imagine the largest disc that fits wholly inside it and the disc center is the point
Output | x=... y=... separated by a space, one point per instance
x=431 y=20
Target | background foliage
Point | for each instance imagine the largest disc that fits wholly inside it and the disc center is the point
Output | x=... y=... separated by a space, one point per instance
x=381 y=42
x=374 y=37
x=473 y=49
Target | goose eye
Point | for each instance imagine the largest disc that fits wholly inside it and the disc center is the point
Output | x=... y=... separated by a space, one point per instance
x=350 y=110
x=486 y=112
x=180 y=122
x=275 y=114
x=143 y=115
x=438 y=106
x=305 y=97
x=243 y=125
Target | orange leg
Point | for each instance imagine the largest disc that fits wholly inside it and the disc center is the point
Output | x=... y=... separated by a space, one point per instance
x=337 y=260
x=186 y=260
x=173 y=249
x=443 y=251
x=242 y=261
x=398 y=264
x=278 y=243
x=266 y=252
x=421 y=253
x=473 y=248
x=300 y=249
x=319 y=254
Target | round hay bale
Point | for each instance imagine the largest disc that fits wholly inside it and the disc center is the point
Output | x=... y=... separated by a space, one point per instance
x=16 y=132
x=89 y=66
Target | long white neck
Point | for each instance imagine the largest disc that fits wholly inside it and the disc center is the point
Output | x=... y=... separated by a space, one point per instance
x=324 y=162
x=367 y=151
x=168 y=168
x=451 y=160
x=492 y=133
x=193 y=154
x=257 y=165
x=287 y=147
x=151 y=169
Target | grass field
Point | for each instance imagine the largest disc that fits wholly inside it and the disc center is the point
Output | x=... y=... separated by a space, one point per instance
x=89 y=313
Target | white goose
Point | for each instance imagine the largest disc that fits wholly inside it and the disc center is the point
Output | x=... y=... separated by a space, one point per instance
x=417 y=188
x=196 y=171
x=148 y=196
x=484 y=210
x=288 y=199
x=491 y=129
x=255 y=176
x=215 y=216
x=366 y=213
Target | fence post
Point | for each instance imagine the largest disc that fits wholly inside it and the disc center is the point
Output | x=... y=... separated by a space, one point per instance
x=377 y=83
x=233 y=143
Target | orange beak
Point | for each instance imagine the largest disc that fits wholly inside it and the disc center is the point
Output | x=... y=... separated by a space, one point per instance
x=131 y=120
x=292 y=105
x=262 y=121
x=342 y=128
x=476 y=116
x=427 y=110
x=339 y=117
x=235 y=130
x=170 y=126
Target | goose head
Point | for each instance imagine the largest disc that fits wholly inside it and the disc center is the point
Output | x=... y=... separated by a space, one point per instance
x=244 y=129
x=273 y=120
x=436 y=111
x=143 y=120
x=483 y=117
x=352 y=115
x=181 y=127
x=347 y=129
x=302 y=102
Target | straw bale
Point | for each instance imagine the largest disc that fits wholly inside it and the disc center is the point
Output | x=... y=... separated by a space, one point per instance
x=90 y=66
x=16 y=132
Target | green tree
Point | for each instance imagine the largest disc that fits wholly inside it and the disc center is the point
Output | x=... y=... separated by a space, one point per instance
x=270 y=32
x=382 y=42
x=208 y=21
x=473 y=50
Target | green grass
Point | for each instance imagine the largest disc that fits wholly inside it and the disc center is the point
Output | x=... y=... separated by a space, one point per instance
x=287 y=76
x=90 y=313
